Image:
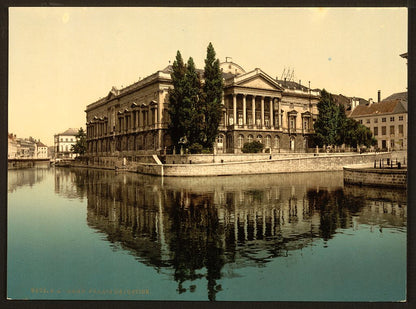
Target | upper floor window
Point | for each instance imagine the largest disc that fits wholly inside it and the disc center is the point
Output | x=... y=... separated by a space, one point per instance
x=401 y=118
x=383 y=119
x=361 y=121
x=391 y=118
x=375 y=120
x=368 y=121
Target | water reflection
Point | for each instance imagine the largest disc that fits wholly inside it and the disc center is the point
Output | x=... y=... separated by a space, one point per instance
x=191 y=228
x=26 y=177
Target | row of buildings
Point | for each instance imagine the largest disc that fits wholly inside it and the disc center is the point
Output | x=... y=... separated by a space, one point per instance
x=26 y=148
x=279 y=113
x=30 y=148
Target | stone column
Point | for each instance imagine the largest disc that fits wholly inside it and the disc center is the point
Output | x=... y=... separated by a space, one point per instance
x=262 y=112
x=235 y=109
x=137 y=119
x=244 y=110
x=279 y=116
x=140 y=118
x=271 y=113
x=253 y=110
x=160 y=109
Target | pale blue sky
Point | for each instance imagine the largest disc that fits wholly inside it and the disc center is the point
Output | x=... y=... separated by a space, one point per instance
x=62 y=59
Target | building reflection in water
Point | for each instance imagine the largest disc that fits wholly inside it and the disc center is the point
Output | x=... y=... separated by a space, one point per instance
x=196 y=226
x=17 y=178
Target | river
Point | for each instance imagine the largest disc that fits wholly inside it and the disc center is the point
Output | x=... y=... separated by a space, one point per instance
x=100 y=235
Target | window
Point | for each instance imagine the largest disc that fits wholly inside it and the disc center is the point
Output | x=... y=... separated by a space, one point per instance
x=375 y=120
x=401 y=118
x=361 y=121
x=383 y=130
x=259 y=138
x=231 y=121
x=391 y=130
x=276 y=141
x=240 y=141
x=375 y=131
x=268 y=140
x=367 y=121
x=391 y=118
x=400 y=129
x=66 y=140
x=392 y=143
x=383 y=119
x=305 y=124
x=292 y=122
x=250 y=138
x=240 y=119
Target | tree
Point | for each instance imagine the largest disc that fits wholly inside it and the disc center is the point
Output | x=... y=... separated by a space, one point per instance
x=192 y=100
x=178 y=113
x=330 y=121
x=212 y=100
x=80 y=147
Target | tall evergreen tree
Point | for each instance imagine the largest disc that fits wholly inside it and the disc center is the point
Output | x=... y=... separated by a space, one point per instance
x=192 y=98
x=329 y=123
x=178 y=113
x=212 y=101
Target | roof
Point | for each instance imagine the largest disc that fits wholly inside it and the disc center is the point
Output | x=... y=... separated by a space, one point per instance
x=40 y=144
x=291 y=85
x=397 y=96
x=384 y=107
x=70 y=131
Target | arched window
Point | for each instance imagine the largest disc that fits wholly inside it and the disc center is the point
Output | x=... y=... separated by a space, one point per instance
x=268 y=140
x=276 y=141
x=250 y=138
x=240 y=141
x=259 y=138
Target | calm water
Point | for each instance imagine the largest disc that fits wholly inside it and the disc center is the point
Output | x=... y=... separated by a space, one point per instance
x=90 y=234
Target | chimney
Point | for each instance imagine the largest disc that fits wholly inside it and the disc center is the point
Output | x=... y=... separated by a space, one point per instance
x=378 y=95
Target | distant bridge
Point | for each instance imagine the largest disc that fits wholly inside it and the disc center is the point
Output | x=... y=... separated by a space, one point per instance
x=16 y=163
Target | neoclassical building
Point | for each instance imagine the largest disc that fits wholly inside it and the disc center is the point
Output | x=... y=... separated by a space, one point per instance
x=134 y=120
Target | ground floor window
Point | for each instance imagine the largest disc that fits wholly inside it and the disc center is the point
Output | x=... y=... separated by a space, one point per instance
x=250 y=138
x=240 y=141
x=276 y=141
x=268 y=140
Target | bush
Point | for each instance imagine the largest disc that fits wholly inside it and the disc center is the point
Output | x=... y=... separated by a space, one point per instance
x=195 y=148
x=253 y=147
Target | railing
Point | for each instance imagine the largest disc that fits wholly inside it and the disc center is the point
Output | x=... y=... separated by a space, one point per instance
x=389 y=163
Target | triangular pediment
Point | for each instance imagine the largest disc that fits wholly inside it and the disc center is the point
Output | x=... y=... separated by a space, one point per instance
x=257 y=79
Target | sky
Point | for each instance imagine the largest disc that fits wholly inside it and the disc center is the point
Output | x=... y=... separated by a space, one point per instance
x=62 y=59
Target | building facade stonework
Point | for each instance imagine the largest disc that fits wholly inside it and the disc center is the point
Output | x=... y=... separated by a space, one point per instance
x=134 y=120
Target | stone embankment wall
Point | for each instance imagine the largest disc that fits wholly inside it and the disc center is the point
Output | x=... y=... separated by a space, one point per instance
x=264 y=165
x=224 y=158
x=270 y=166
x=384 y=177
